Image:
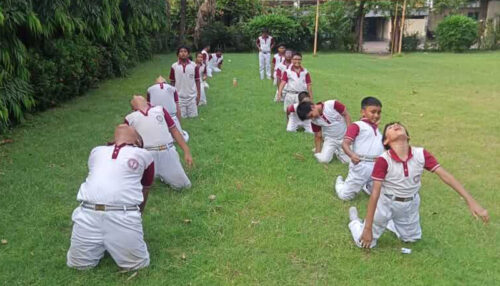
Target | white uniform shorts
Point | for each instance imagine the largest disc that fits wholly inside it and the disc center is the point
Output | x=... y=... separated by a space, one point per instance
x=169 y=168
x=402 y=218
x=332 y=147
x=188 y=107
x=294 y=123
x=117 y=232
x=359 y=175
x=289 y=98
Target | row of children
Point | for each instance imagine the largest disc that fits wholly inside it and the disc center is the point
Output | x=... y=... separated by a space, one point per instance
x=115 y=193
x=383 y=165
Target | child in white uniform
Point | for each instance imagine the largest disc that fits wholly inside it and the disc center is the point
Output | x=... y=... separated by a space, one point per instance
x=366 y=142
x=203 y=77
x=294 y=123
x=394 y=202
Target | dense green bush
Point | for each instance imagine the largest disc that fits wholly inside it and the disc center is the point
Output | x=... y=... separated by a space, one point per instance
x=456 y=33
x=72 y=45
x=410 y=43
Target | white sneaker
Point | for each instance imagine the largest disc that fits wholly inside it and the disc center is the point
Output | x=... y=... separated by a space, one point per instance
x=353 y=214
x=339 y=180
x=365 y=189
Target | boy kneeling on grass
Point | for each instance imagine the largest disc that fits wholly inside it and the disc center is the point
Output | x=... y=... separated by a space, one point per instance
x=294 y=123
x=394 y=202
x=328 y=122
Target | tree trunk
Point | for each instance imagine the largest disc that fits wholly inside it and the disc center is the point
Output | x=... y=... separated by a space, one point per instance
x=182 y=24
x=206 y=13
x=360 y=16
x=483 y=12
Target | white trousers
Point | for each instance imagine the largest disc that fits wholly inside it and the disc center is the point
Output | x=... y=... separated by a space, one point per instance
x=402 y=218
x=332 y=147
x=275 y=80
x=169 y=168
x=216 y=69
x=294 y=123
x=203 y=95
x=188 y=107
x=289 y=98
x=117 y=232
x=359 y=175
x=209 y=70
x=265 y=65
x=179 y=127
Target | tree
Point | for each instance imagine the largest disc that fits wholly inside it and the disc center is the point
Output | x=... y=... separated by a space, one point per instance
x=205 y=15
x=182 y=24
x=360 y=16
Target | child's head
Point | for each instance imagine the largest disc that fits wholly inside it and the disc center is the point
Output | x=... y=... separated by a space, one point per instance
x=288 y=55
x=207 y=48
x=281 y=48
x=199 y=58
x=183 y=52
x=218 y=52
x=265 y=32
x=392 y=132
x=307 y=110
x=297 y=59
x=371 y=109
x=304 y=96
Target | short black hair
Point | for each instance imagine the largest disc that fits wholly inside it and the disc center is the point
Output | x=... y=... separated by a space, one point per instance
x=297 y=54
x=387 y=147
x=265 y=30
x=281 y=45
x=218 y=50
x=303 y=109
x=182 y=47
x=303 y=95
x=370 y=101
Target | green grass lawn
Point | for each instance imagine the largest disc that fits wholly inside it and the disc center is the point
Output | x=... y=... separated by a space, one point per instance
x=275 y=220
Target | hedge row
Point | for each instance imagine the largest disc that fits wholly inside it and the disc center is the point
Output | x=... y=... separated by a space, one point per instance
x=53 y=50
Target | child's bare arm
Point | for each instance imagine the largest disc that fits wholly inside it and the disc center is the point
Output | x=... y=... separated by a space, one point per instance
x=347 y=117
x=475 y=208
x=280 y=89
x=310 y=91
x=346 y=146
x=318 y=138
x=367 y=235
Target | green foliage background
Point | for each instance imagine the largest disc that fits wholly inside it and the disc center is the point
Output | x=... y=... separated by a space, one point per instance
x=52 y=50
x=456 y=33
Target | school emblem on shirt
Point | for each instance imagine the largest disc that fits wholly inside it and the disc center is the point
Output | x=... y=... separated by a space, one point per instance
x=159 y=118
x=133 y=164
x=416 y=179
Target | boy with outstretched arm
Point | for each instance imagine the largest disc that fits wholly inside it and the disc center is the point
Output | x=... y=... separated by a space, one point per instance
x=394 y=202
x=328 y=122
x=366 y=142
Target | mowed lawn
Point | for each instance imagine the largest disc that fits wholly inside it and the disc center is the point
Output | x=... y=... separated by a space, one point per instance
x=275 y=220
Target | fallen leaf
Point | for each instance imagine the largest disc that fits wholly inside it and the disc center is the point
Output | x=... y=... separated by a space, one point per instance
x=299 y=156
x=187 y=221
x=183 y=256
x=132 y=276
x=211 y=197
x=325 y=166
x=255 y=222
x=4 y=241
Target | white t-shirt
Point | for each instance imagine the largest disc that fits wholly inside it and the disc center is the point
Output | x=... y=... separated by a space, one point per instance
x=265 y=43
x=117 y=175
x=165 y=95
x=153 y=126
x=215 y=61
x=277 y=60
x=402 y=178
x=184 y=78
x=296 y=82
x=331 y=122
x=366 y=138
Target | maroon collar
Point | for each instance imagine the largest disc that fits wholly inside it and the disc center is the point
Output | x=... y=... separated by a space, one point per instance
x=147 y=110
x=181 y=63
x=396 y=158
x=373 y=125
x=298 y=73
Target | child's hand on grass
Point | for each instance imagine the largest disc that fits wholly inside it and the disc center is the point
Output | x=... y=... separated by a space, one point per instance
x=479 y=212
x=366 y=238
